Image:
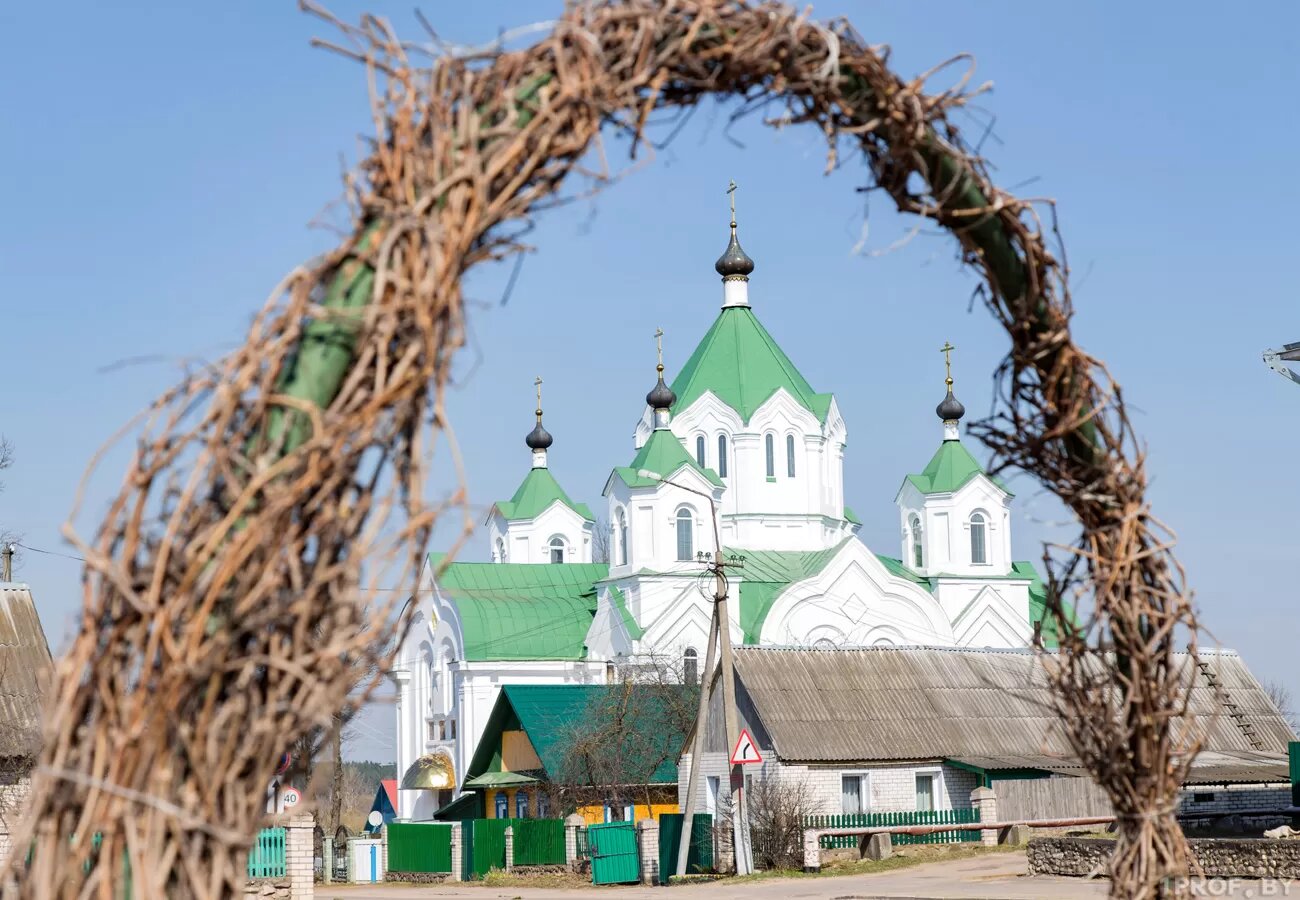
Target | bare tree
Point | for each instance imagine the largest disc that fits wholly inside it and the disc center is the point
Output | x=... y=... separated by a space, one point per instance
x=601 y=539
x=6 y=460
x=627 y=732
x=778 y=809
x=1280 y=694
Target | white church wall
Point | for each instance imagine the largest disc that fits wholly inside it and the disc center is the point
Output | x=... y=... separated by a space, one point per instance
x=946 y=529
x=529 y=540
x=986 y=614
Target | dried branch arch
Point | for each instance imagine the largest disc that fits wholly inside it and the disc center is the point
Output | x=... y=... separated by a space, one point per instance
x=224 y=610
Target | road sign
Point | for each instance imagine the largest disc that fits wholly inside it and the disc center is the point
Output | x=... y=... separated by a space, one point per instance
x=746 y=751
x=290 y=797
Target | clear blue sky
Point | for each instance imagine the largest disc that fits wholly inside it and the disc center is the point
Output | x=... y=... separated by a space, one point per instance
x=161 y=163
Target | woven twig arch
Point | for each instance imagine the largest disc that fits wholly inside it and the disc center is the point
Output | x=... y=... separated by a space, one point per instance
x=224 y=610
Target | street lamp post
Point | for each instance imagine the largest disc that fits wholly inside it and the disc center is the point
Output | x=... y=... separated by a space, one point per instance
x=719 y=636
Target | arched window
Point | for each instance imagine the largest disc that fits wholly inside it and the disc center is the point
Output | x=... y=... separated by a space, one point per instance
x=501 y=550
x=978 y=548
x=918 y=553
x=770 y=443
x=685 y=535
x=722 y=456
x=622 y=538
x=557 y=550
x=699 y=450
x=789 y=455
x=690 y=666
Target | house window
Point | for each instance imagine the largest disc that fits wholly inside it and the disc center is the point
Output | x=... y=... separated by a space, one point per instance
x=926 y=792
x=722 y=456
x=502 y=805
x=690 y=666
x=918 y=555
x=853 y=794
x=557 y=550
x=978 y=552
x=699 y=450
x=521 y=804
x=685 y=535
x=543 y=806
x=770 y=444
x=712 y=784
x=789 y=455
x=622 y=538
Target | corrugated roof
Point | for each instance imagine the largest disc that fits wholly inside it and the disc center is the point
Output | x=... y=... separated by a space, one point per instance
x=550 y=714
x=949 y=469
x=664 y=455
x=26 y=672
x=522 y=610
x=900 y=703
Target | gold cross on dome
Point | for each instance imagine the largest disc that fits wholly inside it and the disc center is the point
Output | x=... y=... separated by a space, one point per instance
x=537 y=382
x=659 y=345
x=946 y=350
x=731 y=192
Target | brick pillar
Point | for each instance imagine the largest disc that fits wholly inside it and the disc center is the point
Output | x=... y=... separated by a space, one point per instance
x=510 y=848
x=571 y=826
x=298 y=856
x=457 y=851
x=648 y=843
x=812 y=851
x=327 y=859
x=383 y=850
x=986 y=802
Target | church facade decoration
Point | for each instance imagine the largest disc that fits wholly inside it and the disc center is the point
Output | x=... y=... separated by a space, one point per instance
x=739 y=442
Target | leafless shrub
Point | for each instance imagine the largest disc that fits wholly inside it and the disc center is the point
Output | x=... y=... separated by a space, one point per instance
x=777 y=810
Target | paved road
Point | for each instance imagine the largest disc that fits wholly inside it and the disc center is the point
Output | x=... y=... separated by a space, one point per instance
x=998 y=876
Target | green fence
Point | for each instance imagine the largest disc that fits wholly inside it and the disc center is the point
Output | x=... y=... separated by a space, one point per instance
x=266 y=857
x=539 y=842
x=888 y=819
x=699 y=854
x=419 y=847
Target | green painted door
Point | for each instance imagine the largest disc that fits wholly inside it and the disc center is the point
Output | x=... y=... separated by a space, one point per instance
x=613 y=853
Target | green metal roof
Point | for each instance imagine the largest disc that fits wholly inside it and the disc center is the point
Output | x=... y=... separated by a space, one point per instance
x=522 y=610
x=766 y=574
x=536 y=492
x=851 y=517
x=1039 y=615
x=616 y=597
x=949 y=469
x=743 y=366
x=499 y=779
x=664 y=455
x=550 y=714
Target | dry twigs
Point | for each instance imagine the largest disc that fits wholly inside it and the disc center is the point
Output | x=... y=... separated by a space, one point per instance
x=223 y=596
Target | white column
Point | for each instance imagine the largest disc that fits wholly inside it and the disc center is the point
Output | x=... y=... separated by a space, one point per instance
x=984 y=800
x=298 y=856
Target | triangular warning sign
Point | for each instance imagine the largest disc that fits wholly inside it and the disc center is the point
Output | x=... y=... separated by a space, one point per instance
x=746 y=751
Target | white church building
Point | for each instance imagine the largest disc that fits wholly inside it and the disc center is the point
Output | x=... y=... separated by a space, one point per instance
x=740 y=443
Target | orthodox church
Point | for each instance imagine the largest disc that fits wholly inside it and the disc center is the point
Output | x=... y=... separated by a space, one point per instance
x=738 y=454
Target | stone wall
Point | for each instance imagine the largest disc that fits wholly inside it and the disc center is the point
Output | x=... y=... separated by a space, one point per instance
x=1219 y=858
x=891 y=788
x=13 y=802
x=269 y=889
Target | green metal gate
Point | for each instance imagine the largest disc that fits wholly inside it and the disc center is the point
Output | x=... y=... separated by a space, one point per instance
x=614 y=858
x=419 y=847
x=266 y=856
x=699 y=855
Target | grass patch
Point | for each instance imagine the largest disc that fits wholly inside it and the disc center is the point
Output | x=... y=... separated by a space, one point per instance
x=500 y=879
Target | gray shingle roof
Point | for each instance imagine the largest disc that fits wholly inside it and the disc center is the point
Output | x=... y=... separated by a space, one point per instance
x=983 y=707
x=26 y=671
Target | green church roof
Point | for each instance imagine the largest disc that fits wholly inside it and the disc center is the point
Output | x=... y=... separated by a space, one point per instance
x=663 y=454
x=635 y=631
x=552 y=714
x=536 y=492
x=743 y=366
x=522 y=610
x=766 y=574
x=949 y=469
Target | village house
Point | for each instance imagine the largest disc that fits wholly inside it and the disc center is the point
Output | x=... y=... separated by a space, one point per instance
x=26 y=670
x=608 y=752
x=901 y=729
x=742 y=441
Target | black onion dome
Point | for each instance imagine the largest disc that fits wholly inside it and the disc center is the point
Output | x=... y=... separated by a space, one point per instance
x=734 y=261
x=661 y=396
x=539 y=438
x=950 y=410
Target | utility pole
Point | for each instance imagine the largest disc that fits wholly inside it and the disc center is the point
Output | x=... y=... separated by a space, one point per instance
x=7 y=568
x=719 y=636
